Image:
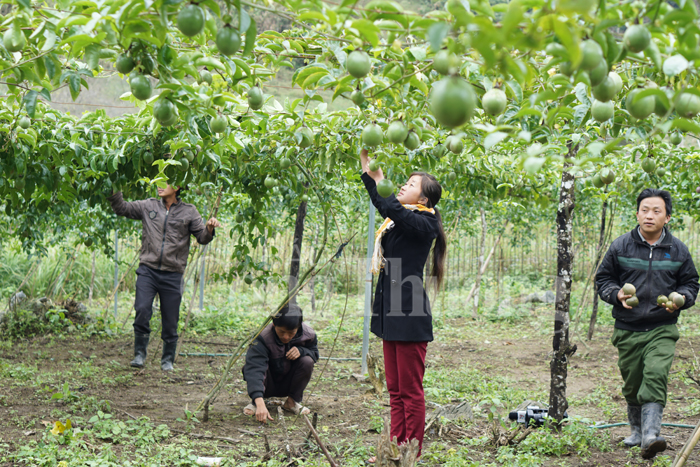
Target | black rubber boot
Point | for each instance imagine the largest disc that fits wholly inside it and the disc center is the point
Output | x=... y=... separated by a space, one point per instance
x=652 y=442
x=140 y=350
x=169 y=349
x=634 y=415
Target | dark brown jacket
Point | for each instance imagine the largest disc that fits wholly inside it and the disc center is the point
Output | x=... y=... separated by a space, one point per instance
x=267 y=352
x=165 y=242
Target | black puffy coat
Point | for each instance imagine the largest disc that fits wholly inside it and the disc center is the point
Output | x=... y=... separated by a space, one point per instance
x=401 y=310
x=653 y=270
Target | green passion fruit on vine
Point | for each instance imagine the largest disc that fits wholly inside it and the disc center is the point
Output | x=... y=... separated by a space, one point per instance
x=357 y=97
x=567 y=68
x=306 y=137
x=452 y=101
x=218 y=124
x=24 y=122
x=446 y=62
x=636 y=38
x=124 y=64
x=676 y=138
x=270 y=182
x=660 y=172
x=598 y=74
x=412 y=141
x=639 y=108
x=385 y=188
x=148 y=158
x=163 y=110
x=140 y=87
x=452 y=176
x=228 y=41
x=439 y=151
x=14 y=40
x=454 y=144
x=597 y=182
x=609 y=88
x=255 y=98
x=591 y=54
x=285 y=163
x=648 y=165
x=190 y=20
x=373 y=165
x=494 y=101
x=397 y=132
x=688 y=105
x=607 y=176
x=372 y=135
x=248 y=279
x=205 y=77
x=358 y=64
x=184 y=165
x=602 y=111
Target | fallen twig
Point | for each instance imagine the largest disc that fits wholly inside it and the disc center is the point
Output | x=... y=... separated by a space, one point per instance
x=195 y=435
x=318 y=440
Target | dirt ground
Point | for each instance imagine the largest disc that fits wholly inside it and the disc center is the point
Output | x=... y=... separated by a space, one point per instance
x=348 y=416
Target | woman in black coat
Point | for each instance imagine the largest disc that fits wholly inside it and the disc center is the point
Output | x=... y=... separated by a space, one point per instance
x=401 y=311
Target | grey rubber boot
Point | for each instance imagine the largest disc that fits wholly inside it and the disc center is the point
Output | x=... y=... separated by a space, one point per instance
x=634 y=415
x=140 y=350
x=652 y=442
x=168 y=358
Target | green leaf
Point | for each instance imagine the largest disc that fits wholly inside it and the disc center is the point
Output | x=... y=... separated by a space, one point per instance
x=512 y=18
x=675 y=65
x=29 y=102
x=250 y=38
x=533 y=164
x=686 y=125
x=74 y=85
x=92 y=56
x=368 y=29
x=418 y=84
x=244 y=22
x=460 y=12
x=493 y=139
x=437 y=32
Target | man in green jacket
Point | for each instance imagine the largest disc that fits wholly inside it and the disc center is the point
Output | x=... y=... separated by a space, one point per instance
x=165 y=246
x=655 y=263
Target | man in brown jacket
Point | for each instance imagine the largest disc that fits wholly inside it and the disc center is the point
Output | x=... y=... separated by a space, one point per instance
x=165 y=246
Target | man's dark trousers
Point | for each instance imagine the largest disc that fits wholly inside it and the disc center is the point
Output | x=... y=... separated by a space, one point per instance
x=168 y=285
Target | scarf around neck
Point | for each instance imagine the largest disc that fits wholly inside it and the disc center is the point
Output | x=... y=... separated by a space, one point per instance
x=378 y=260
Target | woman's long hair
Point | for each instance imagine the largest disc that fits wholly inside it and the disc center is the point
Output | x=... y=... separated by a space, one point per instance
x=432 y=190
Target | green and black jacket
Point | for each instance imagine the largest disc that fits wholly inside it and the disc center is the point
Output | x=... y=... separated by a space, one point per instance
x=654 y=270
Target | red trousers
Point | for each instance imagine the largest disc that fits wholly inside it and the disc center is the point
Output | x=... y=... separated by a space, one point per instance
x=404 y=364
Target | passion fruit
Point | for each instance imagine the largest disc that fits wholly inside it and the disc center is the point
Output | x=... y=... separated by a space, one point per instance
x=412 y=141
x=636 y=38
x=124 y=64
x=190 y=20
x=639 y=108
x=452 y=101
x=255 y=98
x=306 y=136
x=357 y=97
x=591 y=54
x=358 y=64
x=140 y=87
x=599 y=73
x=454 y=144
x=608 y=88
x=661 y=172
x=397 y=132
x=597 y=182
x=218 y=124
x=385 y=188
x=372 y=135
x=629 y=289
x=163 y=110
x=446 y=62
x=688 y=105
x=205 y=77
x=24 y=122
x=602 y=111
x=494 y=101
x=228 y=41
x=676 y=138
x=632 y=301
x=607 y=176
x=439 y=151
x=14 y=40
x=648 y=165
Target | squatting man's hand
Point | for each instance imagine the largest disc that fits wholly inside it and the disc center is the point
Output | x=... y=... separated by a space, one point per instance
x=261 y=413
x=212 y=224
x=293 y=354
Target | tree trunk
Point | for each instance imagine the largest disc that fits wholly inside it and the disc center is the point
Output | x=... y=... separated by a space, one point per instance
x=599 y=254
x=480 y=264
x=296 y=249
x=560 y=343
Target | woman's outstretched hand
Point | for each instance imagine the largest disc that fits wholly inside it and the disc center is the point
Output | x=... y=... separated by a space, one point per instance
x=377 y=175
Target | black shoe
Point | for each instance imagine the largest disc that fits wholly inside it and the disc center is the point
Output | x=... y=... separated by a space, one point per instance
x=634 y=415
x=169 y=349
x=140 y=350
x=652 y=442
